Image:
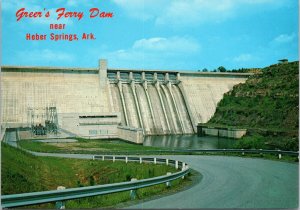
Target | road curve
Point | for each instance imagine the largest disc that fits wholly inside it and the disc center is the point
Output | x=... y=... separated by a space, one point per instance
x=233 y=182
x=229 y=182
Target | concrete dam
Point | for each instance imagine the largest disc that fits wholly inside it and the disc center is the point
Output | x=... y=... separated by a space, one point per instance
x=109 y=102
x=151 y=102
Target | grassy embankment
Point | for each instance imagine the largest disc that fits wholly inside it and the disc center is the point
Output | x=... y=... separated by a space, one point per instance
x=22 y=172
x=267 y=105
x=88 y=146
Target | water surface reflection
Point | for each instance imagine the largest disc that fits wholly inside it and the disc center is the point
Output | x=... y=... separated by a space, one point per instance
x=189 y=142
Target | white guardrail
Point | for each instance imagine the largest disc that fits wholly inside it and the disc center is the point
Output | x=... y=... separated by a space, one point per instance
x=25 y=199
x=280 y=153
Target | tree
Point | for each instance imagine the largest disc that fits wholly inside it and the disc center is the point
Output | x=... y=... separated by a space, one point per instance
x=204 y=70
x=222 y=69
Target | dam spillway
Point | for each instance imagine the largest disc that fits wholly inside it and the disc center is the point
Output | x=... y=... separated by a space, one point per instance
x=96 y=102
x=153 y=102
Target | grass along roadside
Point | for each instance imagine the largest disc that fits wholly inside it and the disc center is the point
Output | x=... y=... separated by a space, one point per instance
x=123 y=148
x=84 y=146
x=23 y=172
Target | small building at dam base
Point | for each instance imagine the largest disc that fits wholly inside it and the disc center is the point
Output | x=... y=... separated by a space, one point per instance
x=110 y=102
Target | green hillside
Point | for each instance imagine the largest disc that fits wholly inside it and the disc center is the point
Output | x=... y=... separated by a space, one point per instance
x=22 y=172
x=267 y=105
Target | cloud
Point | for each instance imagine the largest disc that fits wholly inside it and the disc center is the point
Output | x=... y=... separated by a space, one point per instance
x=195 y=12
x=243 y=58
x=8 y=5
x=155 y=51
x=189 y=12
x=77 y=3
x=284 y=38
x=46 y=55
x=32 y=4
x=172 y=44
x=142 y=9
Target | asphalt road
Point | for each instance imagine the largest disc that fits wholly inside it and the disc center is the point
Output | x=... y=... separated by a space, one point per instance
x=230 y=182
x=233 y=182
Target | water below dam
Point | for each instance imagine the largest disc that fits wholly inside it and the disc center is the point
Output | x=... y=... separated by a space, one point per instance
x=189 y=142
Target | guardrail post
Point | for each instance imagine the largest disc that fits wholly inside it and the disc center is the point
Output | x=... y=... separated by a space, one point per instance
x=168 y=184
x=261 y=152
x=103 y=157
x=133 y=192
x=93 y=157
x=167 y=162
x=126 y=159
x=243 y=153
x=141 y=160
x=154 y=160
x=60 y=204
x=114 y=158
x=279 y=155
x=176 y=164
x=183 y=168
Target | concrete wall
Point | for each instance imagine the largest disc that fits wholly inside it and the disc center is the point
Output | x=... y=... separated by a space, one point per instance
x=168 y=105
x=134 y=135
x=158 y=108
x=222 y=132
x=202 y=92
x=159 y=102
x=32 y=88
x=87 y=125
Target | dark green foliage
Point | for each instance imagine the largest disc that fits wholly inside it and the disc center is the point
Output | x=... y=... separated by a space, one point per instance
x=79 y=184
x=221 y=69
x=253 y=142
x=267 y=105
x=151 y=172
x=128 y=177
x=92 y=181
